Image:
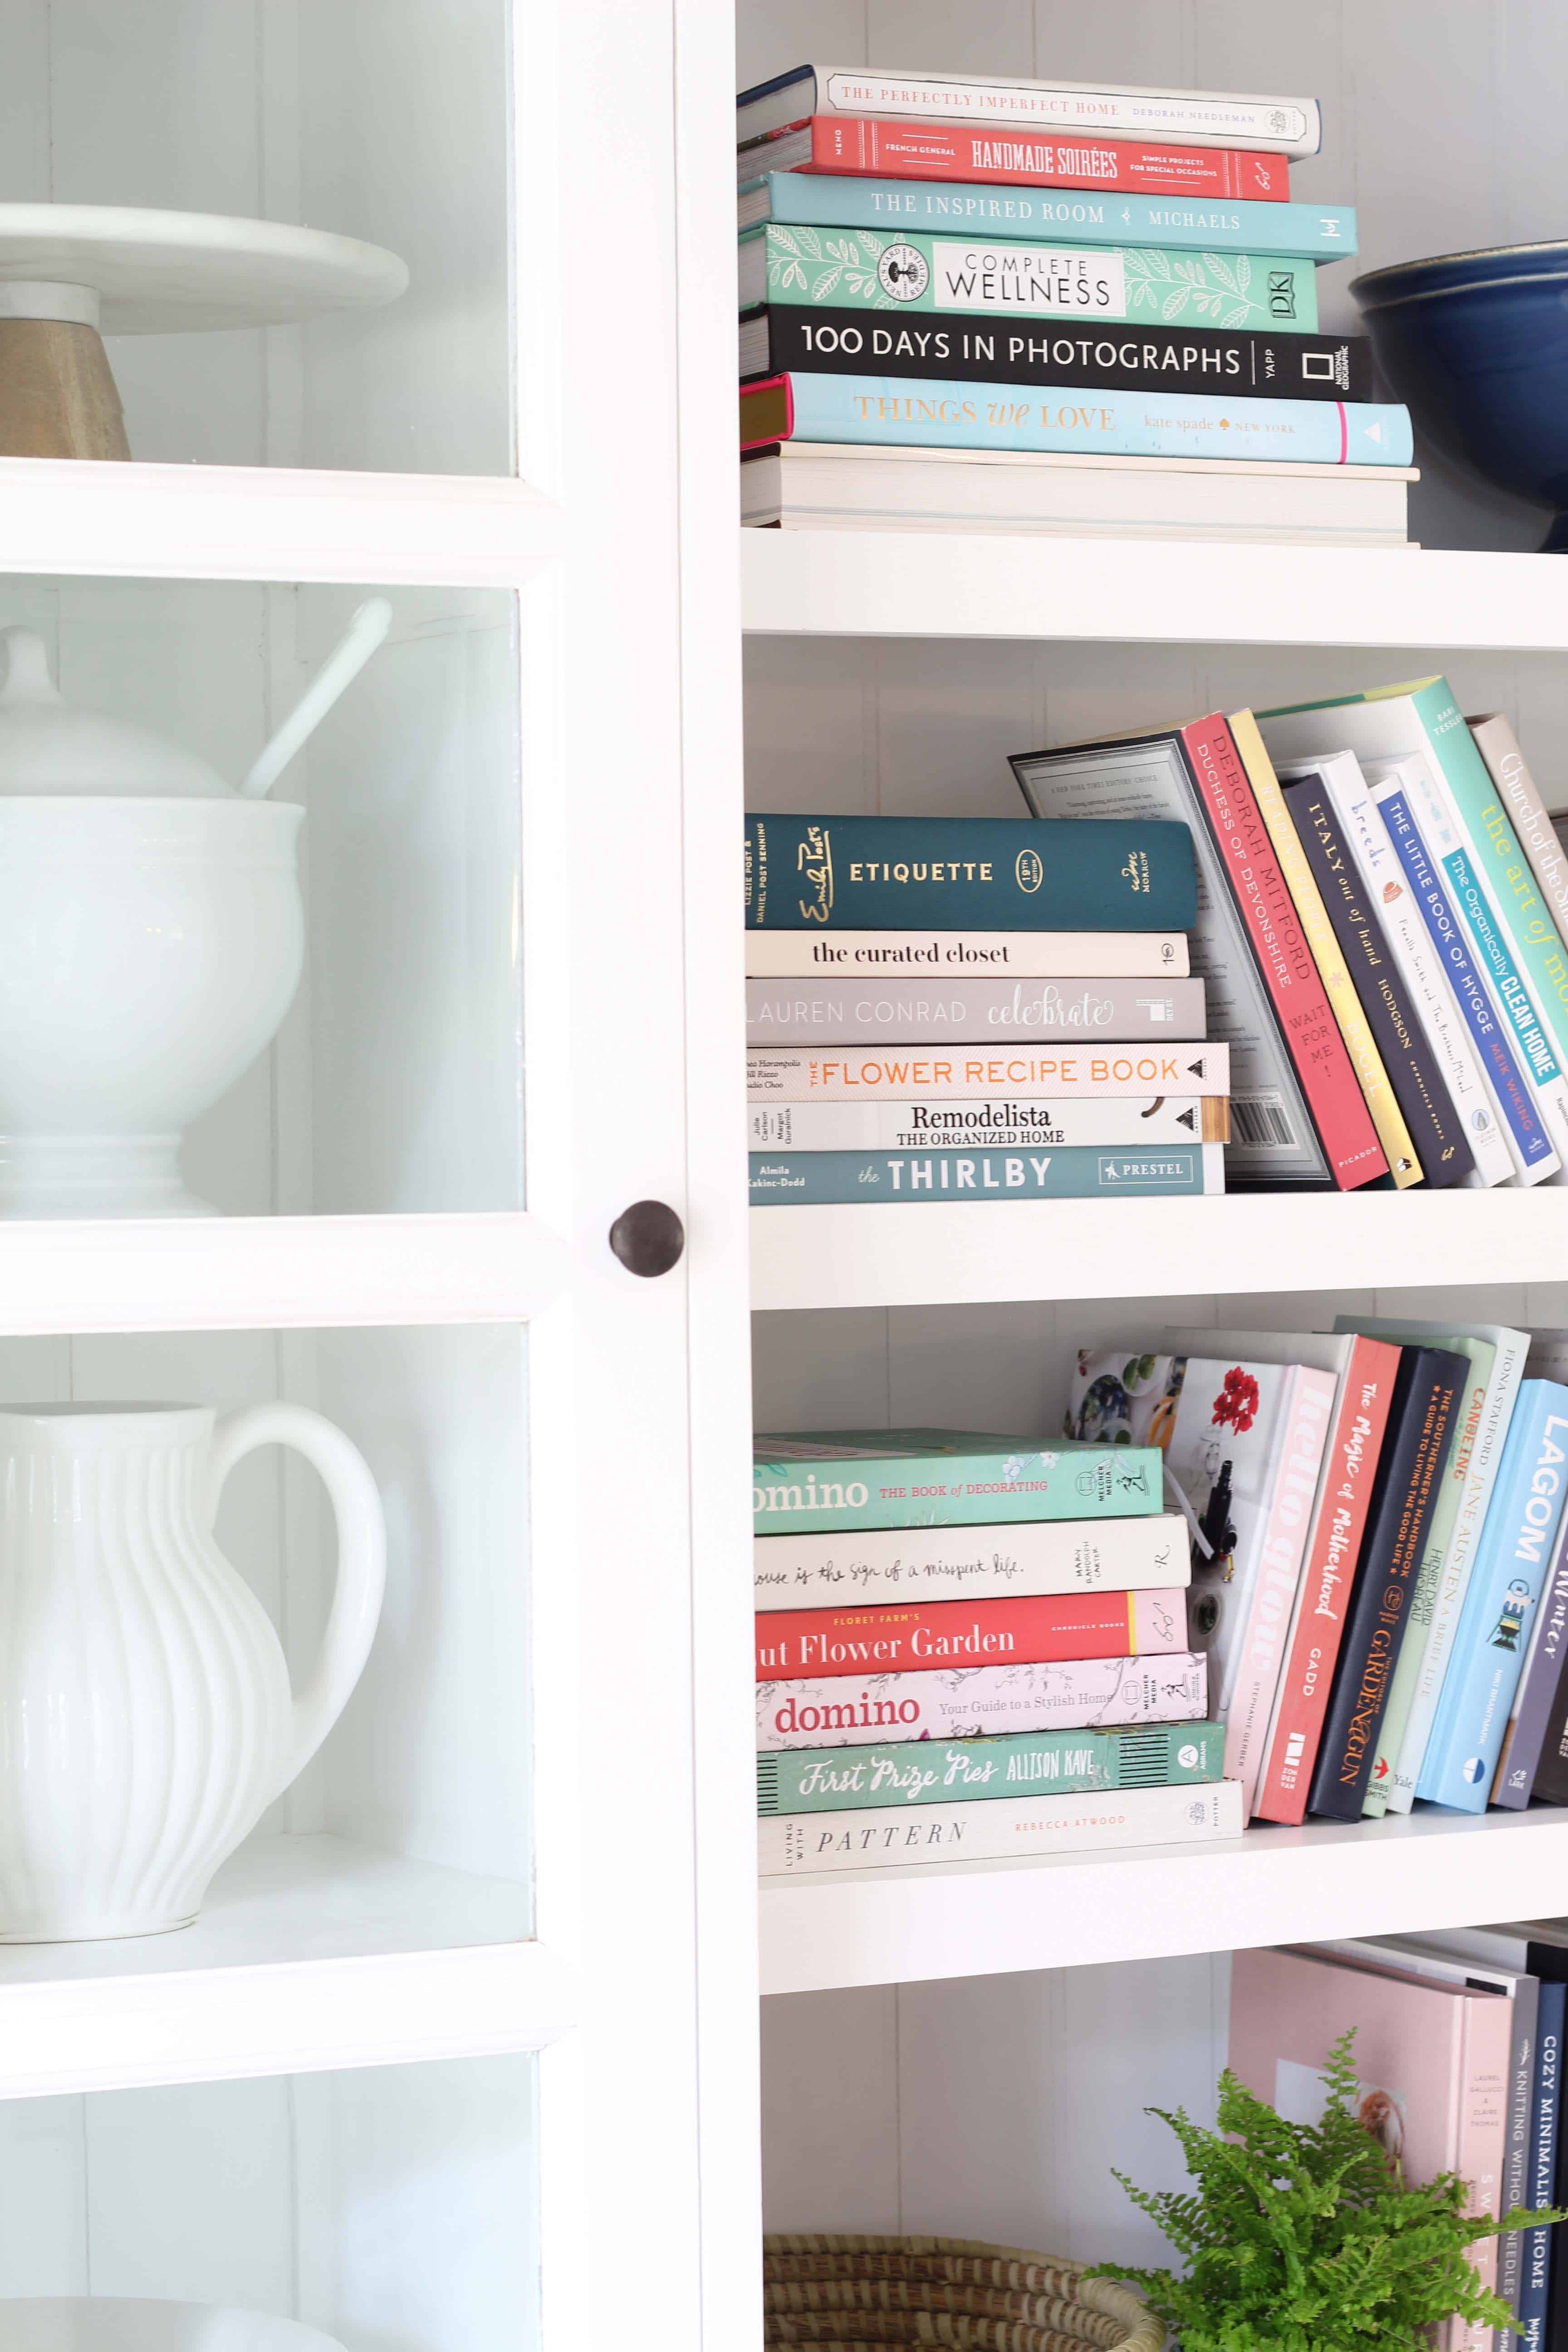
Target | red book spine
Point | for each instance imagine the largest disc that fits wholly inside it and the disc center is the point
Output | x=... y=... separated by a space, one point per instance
x=1306 y=1022
x=1334 y=1546
x=1016 y=1632
x=910 y=151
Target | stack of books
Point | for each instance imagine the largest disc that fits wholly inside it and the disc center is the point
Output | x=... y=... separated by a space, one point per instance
x=1380 y=1575
x=969 y=1648
x=1038 y=306
x=1382 y=906
x=1459 y=2046
x=951 y=1009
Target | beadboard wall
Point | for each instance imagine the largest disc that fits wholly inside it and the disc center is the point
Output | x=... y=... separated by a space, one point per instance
x=1443 y=121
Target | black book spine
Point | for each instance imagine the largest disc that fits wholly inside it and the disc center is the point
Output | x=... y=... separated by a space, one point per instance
x=1423 y=1100
x=1550 y=1786
x=1058 y=354
x=1421 y=1420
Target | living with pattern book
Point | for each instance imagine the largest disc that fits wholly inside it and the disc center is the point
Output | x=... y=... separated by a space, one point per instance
x=983 y=270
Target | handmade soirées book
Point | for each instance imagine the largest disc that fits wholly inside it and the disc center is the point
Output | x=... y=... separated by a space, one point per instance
x=983 y=1563
x=908 y=273
x=1032 y=955
x=917 y=1009
x=825 y=1482
x=782 y=335
x=1427 y=1396
x=798 y=1844
x=1180 y=117
x=927 y=1178
x=916 y=1126
x=1318 y=232
x=910 y=1636
x=1297 y=1115
x=885 y=872
x=969 y=1073
x=962 y=1702
x=856 y=145
x=971 y=1771
x=957 y=413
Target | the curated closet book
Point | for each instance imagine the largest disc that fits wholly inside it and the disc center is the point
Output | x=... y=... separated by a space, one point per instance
x=968 y=955
x=799 y=1844
x=949 y=151
x=972 y=1073
x=1020 y=1764
x=965 y=1702
x=830 y=1481
x=982 y=1563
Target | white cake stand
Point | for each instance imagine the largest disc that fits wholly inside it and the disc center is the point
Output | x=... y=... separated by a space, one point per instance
x=72 y=273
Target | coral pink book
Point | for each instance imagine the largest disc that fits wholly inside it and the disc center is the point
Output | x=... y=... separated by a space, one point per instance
x=1431 y=2060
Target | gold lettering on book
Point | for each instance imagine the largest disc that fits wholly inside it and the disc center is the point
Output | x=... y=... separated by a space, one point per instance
x=814 y=858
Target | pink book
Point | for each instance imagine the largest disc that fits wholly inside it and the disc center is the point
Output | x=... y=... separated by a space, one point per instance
x=1431 y=2061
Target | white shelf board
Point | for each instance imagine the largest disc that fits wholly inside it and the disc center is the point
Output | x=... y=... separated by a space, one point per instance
x=942 y=1254
x=1429 y=1869
x=310 y=1952
x=243 y=522
x=870 y=583
x=213 y=1274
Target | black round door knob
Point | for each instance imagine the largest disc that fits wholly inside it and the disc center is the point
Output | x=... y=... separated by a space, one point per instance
x=649 y=1237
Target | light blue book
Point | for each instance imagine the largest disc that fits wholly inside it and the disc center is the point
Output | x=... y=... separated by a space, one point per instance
x=1012 y=215
x=1513 y=1560
x=928 y=414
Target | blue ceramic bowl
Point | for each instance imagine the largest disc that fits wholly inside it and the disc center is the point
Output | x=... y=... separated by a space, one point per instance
x=1477 y=344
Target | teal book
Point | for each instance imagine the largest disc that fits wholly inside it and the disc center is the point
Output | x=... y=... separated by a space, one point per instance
x=908 y=272
x=1074 y=1172
x=906 y=412
x=828 y=200
x=818 y=1482
x=1020 y=1764
x=981 y=874
x=1513 y=1560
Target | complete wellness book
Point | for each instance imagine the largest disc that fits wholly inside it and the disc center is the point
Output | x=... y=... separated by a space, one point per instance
x=945 y=1772
x=886 y=1564
x=857 y=145
x=786 y=1180
x=961 y=1702
x=939 y=414
x=908 y=1635
x=883 y=873
x=828 y=1481
x=1310 y=232
x=910 y=273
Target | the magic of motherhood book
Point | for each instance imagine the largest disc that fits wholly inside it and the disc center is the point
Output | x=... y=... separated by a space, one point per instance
x=1010 y=874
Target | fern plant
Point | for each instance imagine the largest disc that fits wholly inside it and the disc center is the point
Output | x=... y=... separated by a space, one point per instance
x=1303 y=2237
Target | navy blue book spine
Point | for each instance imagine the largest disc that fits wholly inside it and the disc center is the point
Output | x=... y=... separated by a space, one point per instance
x=1535 y=2268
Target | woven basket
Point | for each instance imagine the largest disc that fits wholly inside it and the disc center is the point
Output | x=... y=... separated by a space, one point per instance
x=856 y=2294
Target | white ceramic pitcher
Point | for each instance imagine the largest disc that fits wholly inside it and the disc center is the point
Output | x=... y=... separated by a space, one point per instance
x=145 y=1715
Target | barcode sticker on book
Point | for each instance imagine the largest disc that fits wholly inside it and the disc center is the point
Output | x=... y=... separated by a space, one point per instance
x=1259 y=1122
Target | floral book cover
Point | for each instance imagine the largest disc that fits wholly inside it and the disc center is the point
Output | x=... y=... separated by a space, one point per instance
x=1220 y=1422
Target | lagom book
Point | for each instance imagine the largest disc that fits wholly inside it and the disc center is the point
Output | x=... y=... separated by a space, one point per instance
x=983 y=1563
x=910 y=271
x=782 y=336
x=917 y=1125
x=959 y=414
x=964 y=1702
x=881 y=873
x=857 y=145
x=904 y=1636
x=1313 y=232
x=1022 y=1764
x=825 y=1482
x=1033 y=955
x=1182 y=118
x=922 y=1177
x=971 y=1074
x=891 y=1009
x=793 y=1844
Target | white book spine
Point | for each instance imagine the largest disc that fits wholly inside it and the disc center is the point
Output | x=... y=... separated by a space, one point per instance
x=965 y=1702
x=1177 y=118
x=1052 y=1556
x=801 y=1844
x=1031 y=955
x=1410 y=943
x=1099 y=1124
x=1507 y=1370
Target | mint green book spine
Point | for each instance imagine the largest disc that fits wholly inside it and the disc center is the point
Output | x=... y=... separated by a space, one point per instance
x=862 y=269
x=824 y=1482
x=1021 y=1764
